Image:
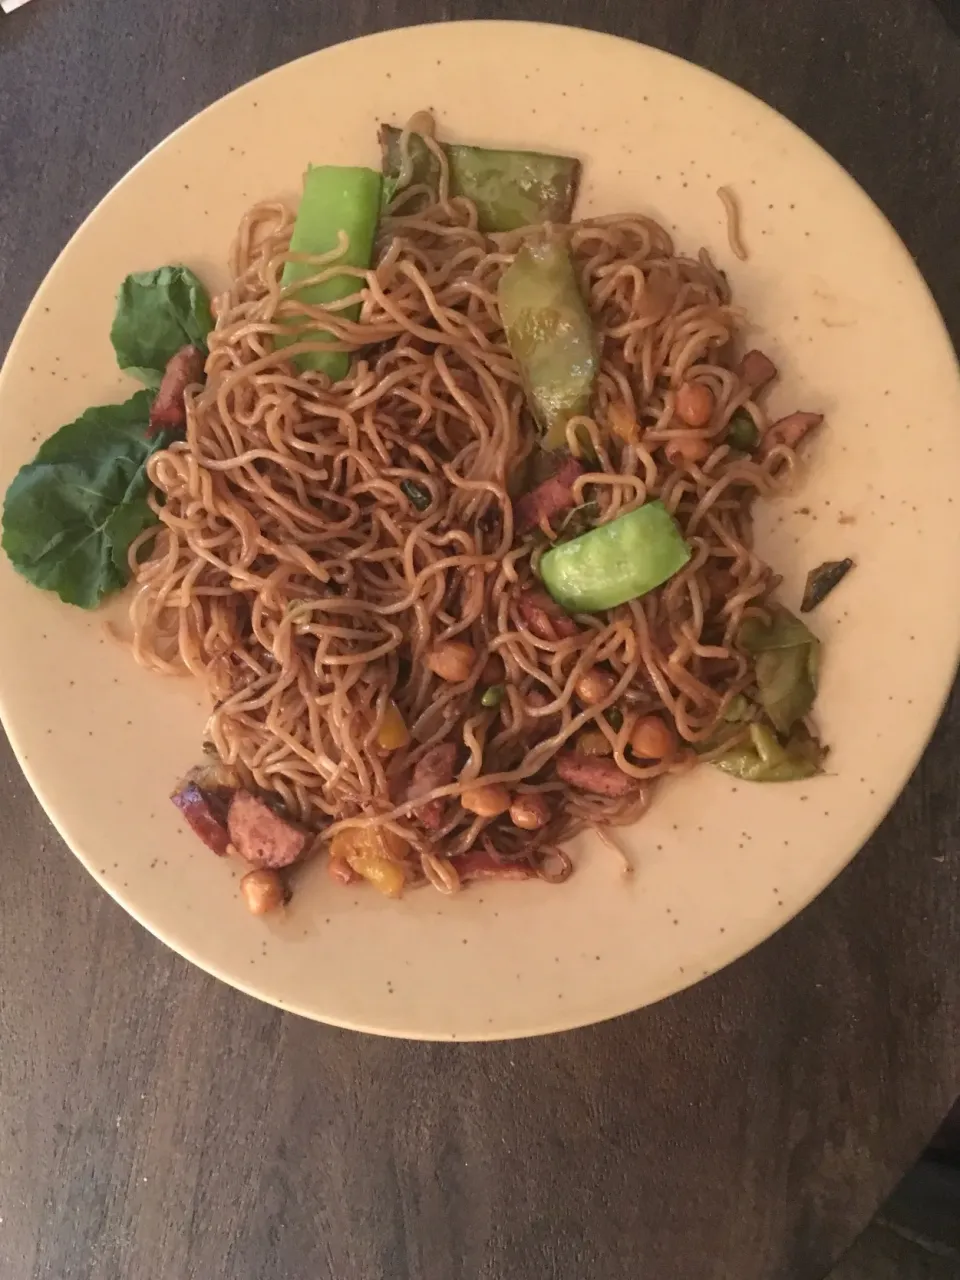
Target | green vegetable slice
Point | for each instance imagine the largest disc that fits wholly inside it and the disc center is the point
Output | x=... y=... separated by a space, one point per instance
x=511 y=189
x=763 y=759
x=158 y=312
x=334 y=200
x=551 y=336
x=71 y=514
x=616 y=562
x=787 y=665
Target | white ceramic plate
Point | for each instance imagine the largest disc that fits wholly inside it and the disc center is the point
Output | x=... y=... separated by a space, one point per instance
x=719 y=866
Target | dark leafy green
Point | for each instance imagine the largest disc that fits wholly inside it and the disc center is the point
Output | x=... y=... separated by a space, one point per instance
x=158 y=312
x=71 y=514
x=787 y=660
x=578 y=520
x=762 y=758
x=822 y=580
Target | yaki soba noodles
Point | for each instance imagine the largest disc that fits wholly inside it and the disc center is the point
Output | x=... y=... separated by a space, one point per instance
x=450 y=514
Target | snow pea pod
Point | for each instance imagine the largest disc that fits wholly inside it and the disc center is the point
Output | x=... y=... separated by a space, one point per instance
x=615 y=562
x=510 y=189
x=551 y=336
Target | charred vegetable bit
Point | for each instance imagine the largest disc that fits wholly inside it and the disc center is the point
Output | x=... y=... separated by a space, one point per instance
x=616 y=562
x=822 y=580
x=762 y=758
x=418 y=495
x=336 y=201
x=787 y=658
x=742 y=432
x=551 y=336
x=580 y=520
x=511 y=189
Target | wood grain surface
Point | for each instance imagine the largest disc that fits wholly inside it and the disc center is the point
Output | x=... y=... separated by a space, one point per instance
x=156 y=1125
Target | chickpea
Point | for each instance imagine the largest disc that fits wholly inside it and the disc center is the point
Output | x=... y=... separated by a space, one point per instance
x=653 y=739
x=595 y=685
x=530 y=813
x=452 y=661
x=486 y=801
x=680 y=451
x=593 y=743
x=263 y=891
x=695 y=404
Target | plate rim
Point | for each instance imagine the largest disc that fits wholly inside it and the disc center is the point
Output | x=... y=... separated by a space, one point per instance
x=460 y=29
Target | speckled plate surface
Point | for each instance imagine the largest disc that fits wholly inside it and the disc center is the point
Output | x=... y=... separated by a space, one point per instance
x=836 y=301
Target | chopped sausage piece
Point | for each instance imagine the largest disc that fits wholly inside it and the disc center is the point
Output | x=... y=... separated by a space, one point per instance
x=789 y=431
x=205 y=813
x=549 y=498
x=756 y=370
x=479 y=864
x=544 y=616
x=434 y=770
x=340 y=871
x=596 y=774
x=168 y=411
x=260 y=836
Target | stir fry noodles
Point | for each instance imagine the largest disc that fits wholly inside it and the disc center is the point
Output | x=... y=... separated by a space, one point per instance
x=450 y=514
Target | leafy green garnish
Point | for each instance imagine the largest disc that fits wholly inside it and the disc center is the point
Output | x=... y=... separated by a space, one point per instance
x=71 y=514
x=762 y=758
x=787 y=666
x=740 y=709
x=158 y=312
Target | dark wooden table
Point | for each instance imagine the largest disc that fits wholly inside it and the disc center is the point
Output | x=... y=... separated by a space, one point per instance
x=155 y=1125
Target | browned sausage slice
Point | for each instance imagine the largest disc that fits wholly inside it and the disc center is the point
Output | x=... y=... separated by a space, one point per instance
x=478 y=864
x=549 y=498
x=204 y=813
x=260 y=836
x=168 y=411
x=789 y=431
x=595 y=774
x=756 y=370
x=434 y=770
x=544 y=616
